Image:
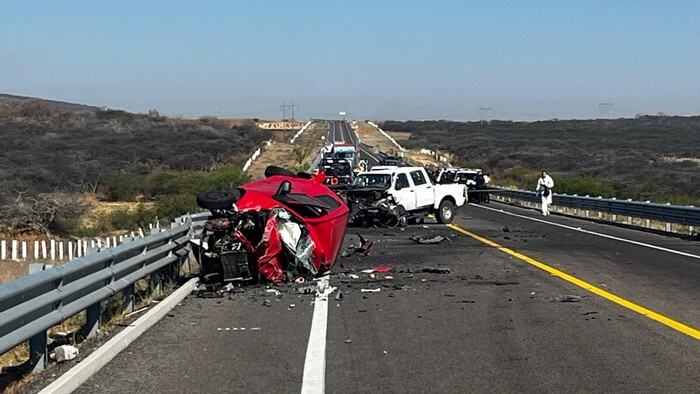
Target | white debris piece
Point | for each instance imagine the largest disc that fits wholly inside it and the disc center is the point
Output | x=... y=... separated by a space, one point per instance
x=64 y=353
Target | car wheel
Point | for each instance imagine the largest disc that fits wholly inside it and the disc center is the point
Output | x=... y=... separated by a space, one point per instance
x=446 y=212
x=218 y=199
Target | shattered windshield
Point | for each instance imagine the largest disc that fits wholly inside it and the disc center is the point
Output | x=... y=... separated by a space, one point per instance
x=373 y=180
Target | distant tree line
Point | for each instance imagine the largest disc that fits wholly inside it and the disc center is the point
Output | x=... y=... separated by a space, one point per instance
x=646 y=158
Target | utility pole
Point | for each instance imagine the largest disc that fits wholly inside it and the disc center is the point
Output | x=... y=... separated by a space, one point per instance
x=484 y=113
x=292 y=107
x=605 y=109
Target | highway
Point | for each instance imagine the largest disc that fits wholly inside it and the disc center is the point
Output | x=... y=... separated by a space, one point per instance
x=340 y=131
x=499 y=322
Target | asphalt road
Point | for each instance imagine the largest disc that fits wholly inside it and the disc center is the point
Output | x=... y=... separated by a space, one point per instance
x=494 y=324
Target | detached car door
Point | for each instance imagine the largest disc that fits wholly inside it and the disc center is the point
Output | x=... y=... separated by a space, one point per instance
x=424 y=190
x=404 y=192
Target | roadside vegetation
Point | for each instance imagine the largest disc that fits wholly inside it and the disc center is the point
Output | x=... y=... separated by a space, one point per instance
x=56 y=164
x=647 y=158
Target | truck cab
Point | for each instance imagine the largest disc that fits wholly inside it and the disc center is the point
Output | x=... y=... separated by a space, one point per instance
x=411 y=189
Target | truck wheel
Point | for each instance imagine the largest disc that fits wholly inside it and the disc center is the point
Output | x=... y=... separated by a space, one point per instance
x=446 y=212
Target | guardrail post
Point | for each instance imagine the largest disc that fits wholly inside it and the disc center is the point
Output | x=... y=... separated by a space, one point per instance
x=155 y=283
x=38 y=354
x=588 y=213
x=647 y=223
x=668 y=227
x=128 y=294
x=629 y=220
x=92 y=320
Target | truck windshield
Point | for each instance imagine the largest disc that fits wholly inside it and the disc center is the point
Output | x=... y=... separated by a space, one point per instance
x=373 y=180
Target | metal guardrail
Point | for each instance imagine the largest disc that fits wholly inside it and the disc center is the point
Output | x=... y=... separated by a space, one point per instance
x=685 y=215
x=29 y=306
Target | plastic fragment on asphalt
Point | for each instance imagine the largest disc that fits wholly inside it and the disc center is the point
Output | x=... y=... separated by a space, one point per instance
x=437 y=270
x=568 y=298
x=428 y=241
x=348 y=341
x=353 y=276
x=377 y=290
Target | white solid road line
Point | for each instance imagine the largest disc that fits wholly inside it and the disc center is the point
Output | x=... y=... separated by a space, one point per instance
x=314 y=381
x=69 y=381
x=678 y=252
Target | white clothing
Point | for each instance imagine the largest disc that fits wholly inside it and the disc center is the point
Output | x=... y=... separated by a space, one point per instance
x=547 y=183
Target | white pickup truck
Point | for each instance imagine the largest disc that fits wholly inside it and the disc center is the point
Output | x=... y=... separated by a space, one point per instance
x=406 y=193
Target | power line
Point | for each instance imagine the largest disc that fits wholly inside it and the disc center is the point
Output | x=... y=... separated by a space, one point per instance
x=292 y=107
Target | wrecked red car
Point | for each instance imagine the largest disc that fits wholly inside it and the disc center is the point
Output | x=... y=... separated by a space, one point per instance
x=281 y=228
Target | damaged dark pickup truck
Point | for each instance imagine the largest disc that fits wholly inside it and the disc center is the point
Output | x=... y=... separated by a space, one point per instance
x=285 y=227
x=395 y=196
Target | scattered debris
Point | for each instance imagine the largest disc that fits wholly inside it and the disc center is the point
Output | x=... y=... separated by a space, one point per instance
x=339 y=296
x=363 y=247
x=277 y=292
x=292 y=305
x=448 y=295
x=348 y=341
x=428 y=241
x=377 y=290
x=589 y=313
x=267 y=303
x=388 y=277
x=344 y=254
x=436 y=270
x=505 y=229
x=568 y=298
x=310 y=289
x=425 y=226
x=353 y=276
x=64 y=353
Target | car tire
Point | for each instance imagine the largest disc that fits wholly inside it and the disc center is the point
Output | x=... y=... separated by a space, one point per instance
x=218 y=199
x=275 y=170
x=446 y=212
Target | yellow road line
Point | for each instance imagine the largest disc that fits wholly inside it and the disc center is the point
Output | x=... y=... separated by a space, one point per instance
x=690 y=331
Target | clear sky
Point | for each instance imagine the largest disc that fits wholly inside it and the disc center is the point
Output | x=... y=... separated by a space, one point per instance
x=373 y=59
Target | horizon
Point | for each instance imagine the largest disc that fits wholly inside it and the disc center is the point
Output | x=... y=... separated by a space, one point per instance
x=499 y=60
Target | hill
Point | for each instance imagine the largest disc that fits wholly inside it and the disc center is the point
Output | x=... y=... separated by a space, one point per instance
x=57 y=105
x=50 y=157
x=648 y=158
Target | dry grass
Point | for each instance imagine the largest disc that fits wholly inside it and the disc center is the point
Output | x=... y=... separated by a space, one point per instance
x=399 y=135
x=371 y=136
x=10 y=270
x=281 y=153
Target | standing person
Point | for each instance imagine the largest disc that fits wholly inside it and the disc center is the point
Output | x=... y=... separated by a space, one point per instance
x=480 y=182
x=487 y=197
x=544 y=190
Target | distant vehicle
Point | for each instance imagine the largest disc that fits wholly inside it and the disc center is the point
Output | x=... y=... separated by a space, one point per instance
x=395 y=196
x=345 y=151
x=462 y=176
x=338 y=172
x=392 y=160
